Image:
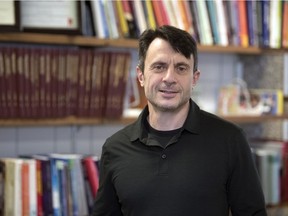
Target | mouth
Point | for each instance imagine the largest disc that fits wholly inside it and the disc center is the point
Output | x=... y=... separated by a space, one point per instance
x=168 y=94
x=168 y=91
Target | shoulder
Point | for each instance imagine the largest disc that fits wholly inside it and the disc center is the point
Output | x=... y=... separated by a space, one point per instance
x=212 y=121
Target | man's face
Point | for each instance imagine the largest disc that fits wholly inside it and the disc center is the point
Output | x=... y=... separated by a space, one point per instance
x=168 y=77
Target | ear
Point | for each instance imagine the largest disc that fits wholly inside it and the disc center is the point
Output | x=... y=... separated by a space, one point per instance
x=196 y=76
x=140 y=76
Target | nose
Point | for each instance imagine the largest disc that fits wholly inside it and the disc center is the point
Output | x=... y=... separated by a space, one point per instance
x=169 y=76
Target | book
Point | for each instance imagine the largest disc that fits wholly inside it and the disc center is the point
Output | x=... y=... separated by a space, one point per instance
x=140 y=15
x=55 y=187
x=12 y=190
x=96 y=73
x=99 y=19
x=39 y=188
x=83 y=57
x=123 y=24
x=243 y=24
x=269 y=156
x=34 y=61
x=160 y=13
x=118 y=73
x=232 y=10
x=172 y=7
x=151 y=20
x=110 y=19
x=196 y=21
x=3 y=100
x=61 y=82
x=47 y=196
x=265 y=14
x=205 y=27
x=92 y=174
x=87 y=86
x=252 y=22
x=212 y=15
x=221 y=22
x=42 y=79
x=2 y=186
x=130 y=19
x=285 y=24
x=275 y=22
x=25 y=189
x=20 y=76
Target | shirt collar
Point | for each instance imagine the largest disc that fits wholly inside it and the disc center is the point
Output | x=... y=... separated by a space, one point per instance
x=191 y=124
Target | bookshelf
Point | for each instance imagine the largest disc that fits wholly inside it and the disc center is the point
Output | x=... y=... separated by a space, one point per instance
x=83 y=41
x=38 y=38
x=124 y=43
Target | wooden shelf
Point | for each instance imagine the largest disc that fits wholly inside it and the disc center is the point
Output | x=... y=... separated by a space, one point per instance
x=56 y=39
x=254 y=119
x=77 y=40
x=123 y=121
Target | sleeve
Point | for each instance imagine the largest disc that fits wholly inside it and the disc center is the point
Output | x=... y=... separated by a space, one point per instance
x=106 y=201
x=245 y=194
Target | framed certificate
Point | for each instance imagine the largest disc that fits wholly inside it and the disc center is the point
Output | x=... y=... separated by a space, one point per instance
x=56 y=16
x=9 y=16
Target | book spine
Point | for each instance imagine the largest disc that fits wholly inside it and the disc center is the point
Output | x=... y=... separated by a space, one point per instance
x=285 y=24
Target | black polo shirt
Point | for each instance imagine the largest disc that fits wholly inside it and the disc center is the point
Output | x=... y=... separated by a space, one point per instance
x=204 y=170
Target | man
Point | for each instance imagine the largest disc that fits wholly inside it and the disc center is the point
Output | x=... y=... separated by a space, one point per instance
x=176 y=160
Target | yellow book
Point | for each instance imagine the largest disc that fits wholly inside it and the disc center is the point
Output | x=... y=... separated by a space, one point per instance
x=150 y=14
x=121 y=17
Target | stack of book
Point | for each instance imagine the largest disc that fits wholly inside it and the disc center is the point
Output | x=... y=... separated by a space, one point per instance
x=271 y=158
x=215 y=22
x=52 y=82
x=48 y=184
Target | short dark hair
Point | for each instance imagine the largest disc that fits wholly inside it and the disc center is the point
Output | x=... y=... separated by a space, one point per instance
x=180 y=40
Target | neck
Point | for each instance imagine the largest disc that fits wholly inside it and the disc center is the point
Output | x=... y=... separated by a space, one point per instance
x=164 y=121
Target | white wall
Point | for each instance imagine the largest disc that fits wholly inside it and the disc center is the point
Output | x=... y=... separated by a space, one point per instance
x=216 y=70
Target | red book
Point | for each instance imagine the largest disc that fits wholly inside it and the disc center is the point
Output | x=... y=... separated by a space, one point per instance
x=118 y=74
x=88 y=83
x=160 y=13
x=47 y=83
x=285 y=25
x=27 y=82
x=95 y=96
x=34 y=62
x=11 y=93
x=104 y=81
x=61 y=83
x=3 y=102
x=71 y=81
x=81 y=82
x=53 y=82
x=42 y=90
x=25 y=189
x=243 y=24
x=21 y=82
x=92 y=174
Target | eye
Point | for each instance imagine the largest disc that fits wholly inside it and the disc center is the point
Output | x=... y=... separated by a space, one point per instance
x=159 y=68
x=182 y=69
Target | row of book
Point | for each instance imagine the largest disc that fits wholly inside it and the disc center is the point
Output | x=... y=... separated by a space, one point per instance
x=215 y=22
x=48 y=82
x=271 y=158
x=48 y=184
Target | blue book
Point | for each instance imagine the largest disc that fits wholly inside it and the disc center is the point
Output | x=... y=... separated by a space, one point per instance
x=213 y=21
x=55 y=188
x=265 y=8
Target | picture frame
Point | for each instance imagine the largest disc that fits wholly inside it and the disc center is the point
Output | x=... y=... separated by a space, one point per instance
x=9 y=16
x=59 y=17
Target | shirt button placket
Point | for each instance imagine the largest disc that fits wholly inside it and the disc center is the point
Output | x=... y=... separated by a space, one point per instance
x=163 y=164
